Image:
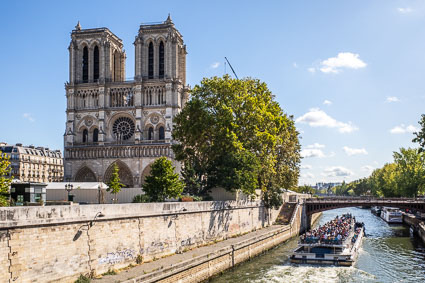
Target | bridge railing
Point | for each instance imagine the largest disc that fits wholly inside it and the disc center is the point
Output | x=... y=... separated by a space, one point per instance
x=363 y=199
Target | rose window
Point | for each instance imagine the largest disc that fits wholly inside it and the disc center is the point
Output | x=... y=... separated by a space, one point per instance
x=123 y=128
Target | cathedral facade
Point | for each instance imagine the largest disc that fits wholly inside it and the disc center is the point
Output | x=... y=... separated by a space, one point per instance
x=111 y=120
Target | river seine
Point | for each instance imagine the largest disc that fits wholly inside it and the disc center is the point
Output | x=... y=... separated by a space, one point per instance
x=388 y=254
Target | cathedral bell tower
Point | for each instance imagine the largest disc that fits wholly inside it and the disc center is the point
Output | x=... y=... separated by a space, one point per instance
x=112 y=121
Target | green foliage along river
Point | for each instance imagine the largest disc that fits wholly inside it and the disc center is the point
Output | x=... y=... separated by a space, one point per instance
x=388 y=254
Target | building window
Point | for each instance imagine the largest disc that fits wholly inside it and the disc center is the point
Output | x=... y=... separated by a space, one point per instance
x=150 y=61
x=85 y=135
x=85 y=64
x=161 y=133
x=161 y=60
x=96 y=135
x=117 y=66
x=96 y=63
x=123 y=128
x=150 y=134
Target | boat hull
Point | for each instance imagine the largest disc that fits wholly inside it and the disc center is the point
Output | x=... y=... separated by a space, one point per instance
x=322 y=261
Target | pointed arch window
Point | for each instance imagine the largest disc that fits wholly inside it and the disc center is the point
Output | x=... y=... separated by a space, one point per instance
x=96 y=63
x=150 y=134
x=117 y=66
x=150 y=61
x=161 y=133
x=96 y=135
x=161 y=59
x=85 y=64
x=85 y=135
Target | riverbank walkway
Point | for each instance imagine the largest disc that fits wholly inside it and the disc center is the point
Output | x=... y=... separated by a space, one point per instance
x=163 y=267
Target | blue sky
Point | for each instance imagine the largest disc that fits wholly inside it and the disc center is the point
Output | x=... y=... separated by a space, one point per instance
x=351 y=72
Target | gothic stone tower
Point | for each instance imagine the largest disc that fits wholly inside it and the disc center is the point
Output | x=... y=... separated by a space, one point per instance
x=114 y=121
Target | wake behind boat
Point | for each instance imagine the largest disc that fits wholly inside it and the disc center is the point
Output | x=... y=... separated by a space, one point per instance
x=337 y=242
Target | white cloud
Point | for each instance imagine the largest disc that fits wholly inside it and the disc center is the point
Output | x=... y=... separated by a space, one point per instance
x=312 y=152
x=315 y=145
x=307 y=176
x=28 y=116
x=295 y=65
x=402 y=129
x=337 y=171
x=318 y=118
x=368 y=168
x=354 y=151
x=311 y=70
x=327 y=102
x=405 y=10
x=307 y=166
x=215 y=65
x=392 y=99
x=342 y=60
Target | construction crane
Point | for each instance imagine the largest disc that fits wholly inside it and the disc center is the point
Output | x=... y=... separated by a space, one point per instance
x=231 y=68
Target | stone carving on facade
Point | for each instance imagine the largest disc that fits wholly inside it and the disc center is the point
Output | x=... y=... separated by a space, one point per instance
x=154 y=119
x=88 y=122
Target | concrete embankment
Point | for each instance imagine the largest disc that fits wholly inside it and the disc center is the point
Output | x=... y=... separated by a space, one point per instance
x=418 y=224
x=201 y=263
x=58 y=243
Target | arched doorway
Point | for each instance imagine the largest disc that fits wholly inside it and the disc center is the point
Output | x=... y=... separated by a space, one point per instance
x=124 y=172
x=146 y=172
x=85 y=174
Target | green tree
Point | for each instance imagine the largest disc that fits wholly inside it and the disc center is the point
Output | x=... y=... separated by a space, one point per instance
x=420 y=136
x=360 y=187
x=410 y=167
x=115 y=183
x=162 y=182
x=232 y=134
x=305 y=189
x=5 y=180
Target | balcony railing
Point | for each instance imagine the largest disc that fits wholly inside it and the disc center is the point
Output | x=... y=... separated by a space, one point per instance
x=118 y=143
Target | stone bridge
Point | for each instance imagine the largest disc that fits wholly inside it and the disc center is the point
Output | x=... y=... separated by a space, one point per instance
x=314 y=205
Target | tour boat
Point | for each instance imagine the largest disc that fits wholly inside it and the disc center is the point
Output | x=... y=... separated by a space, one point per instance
x=392 y=215
x=341 y=251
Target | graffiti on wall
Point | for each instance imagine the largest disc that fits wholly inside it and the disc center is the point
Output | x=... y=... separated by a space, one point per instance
x=118 y=256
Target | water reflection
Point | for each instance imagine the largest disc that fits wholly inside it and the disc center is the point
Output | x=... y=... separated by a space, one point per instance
x=388 y=254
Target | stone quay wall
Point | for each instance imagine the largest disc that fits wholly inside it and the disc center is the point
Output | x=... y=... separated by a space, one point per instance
x=202 y=267
x=58 y=243
x=418 y=224
x=421 y=231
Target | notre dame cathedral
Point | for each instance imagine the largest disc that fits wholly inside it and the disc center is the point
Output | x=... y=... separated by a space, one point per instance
x=111 y=120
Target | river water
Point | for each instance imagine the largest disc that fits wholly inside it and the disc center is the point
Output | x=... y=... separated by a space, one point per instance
x=388 y=254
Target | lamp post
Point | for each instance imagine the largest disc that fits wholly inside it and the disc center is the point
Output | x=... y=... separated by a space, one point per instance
x=69 y=188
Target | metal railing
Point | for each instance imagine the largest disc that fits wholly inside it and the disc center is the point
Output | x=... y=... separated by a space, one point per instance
x=120 y=143
x=361 y=199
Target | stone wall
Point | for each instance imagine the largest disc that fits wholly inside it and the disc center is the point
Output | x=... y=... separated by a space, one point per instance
x=204 y=266
x=421 y=231
x=58 y=243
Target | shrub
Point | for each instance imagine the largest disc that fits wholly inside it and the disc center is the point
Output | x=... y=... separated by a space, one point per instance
x=141 y=199
x=83 y=279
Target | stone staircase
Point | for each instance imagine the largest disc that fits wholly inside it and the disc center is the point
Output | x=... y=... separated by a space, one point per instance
x=285 y=213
